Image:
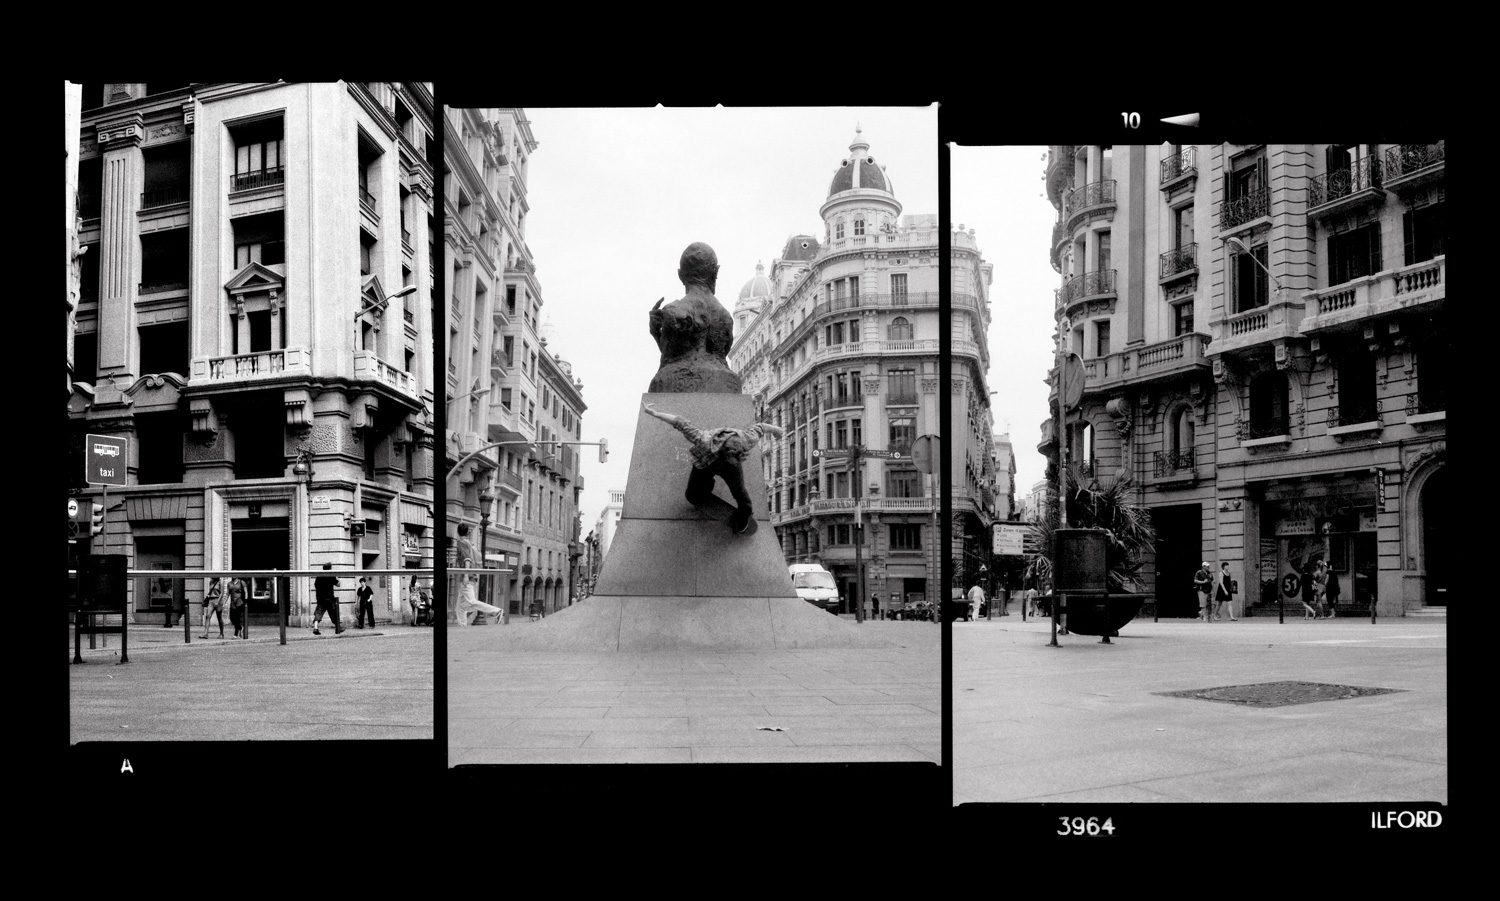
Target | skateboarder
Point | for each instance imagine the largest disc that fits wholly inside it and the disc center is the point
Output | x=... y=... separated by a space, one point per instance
x=719 y=452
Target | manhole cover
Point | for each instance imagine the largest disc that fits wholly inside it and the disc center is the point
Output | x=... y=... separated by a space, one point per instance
x=1278 y=694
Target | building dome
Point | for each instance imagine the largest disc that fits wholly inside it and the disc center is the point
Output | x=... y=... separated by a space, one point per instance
x=799 y=248
x=859 y=170
x=757 y=287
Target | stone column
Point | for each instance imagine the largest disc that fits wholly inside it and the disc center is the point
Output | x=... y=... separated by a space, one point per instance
x=119 y=249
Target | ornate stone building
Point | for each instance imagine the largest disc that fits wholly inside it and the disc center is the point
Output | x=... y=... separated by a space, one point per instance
x=839 y=345
x=1264 y=351
x=255 y=295
x=504 y=384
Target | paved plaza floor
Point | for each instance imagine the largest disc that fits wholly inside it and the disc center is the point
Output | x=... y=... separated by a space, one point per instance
x=788 y=706
x=1086 y=722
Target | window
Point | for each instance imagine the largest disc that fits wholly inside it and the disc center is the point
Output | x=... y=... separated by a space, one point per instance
x=1086 y=443
x=1353 y=254
x=366 y=252
x=1182 y=318
x=85 y=357
x=1433 y=367
x=906 y=536
x=158 y=439
x=841 y=433
x=900 y=329
x=903 y=483
x=90 y=187
x=166 y=175
x=1424 y=232
x=838 y=230
x=88 y=274
x=259 y=239
x=258 y=154
x=1357 y=387
x=1183 y=434
x=1246 y=197
x=902 y=433
x=164 y=260
x=1268 y=405
x=859 y=228
x=1104 y=258
x=853 y=295
x=1182 y=227
x=856 y=432
x=1252 y=288
x=902 y=386
x=164 y=348
x=834 y=334
x=510 y=303
x=898 y=287
x=1101 y=338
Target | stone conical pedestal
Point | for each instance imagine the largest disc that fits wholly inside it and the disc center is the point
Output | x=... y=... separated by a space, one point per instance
x=676 y=578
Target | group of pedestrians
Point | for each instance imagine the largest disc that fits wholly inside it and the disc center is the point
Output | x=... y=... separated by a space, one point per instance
x=238 y=593
x=213 y=605
x=1320 y=591
x=1216 y=591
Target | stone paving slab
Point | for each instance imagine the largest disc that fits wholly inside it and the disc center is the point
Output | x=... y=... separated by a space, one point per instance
x=1083 y=722
x=834 y=705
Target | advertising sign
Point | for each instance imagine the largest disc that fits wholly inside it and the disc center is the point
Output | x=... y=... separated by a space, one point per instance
x=1010 y=538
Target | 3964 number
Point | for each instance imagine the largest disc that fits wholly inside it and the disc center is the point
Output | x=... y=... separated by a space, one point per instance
x=1081 y=826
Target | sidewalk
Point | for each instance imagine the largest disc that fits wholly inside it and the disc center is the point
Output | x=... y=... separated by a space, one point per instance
x=1089 y=722
x=153 y=637
x=789 y=706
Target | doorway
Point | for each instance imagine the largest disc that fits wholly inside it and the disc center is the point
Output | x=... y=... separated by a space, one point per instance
x=262 y=543
x=1179 y=552
x=1437 y=537
x=159 y=552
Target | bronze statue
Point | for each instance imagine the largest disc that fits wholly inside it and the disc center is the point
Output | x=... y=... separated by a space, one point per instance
x=695 y=332
x=719 y=452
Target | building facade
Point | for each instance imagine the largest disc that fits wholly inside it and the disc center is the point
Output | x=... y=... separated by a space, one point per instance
x=254 y=320
x=505 y=386
x=1265 y=353
x=839 y=346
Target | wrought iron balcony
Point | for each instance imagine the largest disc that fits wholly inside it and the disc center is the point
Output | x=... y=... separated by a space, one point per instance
x=1362 y=175
x=1085 y=198
x=1184 y=162
x=901 y=399
x=1417 y=403
x=1405 y=161
x=1269 y=428
x=164 y=196
x=1239 y=210
x=1176 y=262
x=1090 y=284
x=259 y=178
x=1170 y=462
x=1354 y=414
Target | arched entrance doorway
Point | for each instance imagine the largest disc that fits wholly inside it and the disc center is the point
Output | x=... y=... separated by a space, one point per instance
x=1437 y=536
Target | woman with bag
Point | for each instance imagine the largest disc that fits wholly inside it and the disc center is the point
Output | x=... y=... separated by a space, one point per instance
x=1224 y=592
x=213 y=604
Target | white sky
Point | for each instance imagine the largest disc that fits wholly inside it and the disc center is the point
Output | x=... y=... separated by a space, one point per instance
x=616 y=194
x=999 y=192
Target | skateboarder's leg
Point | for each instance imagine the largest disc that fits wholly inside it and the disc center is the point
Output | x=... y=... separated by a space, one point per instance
x=734 y=480
x=700 y=487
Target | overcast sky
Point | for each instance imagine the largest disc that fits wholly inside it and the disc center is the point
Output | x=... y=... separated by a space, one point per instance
x=616 y=194
x=998 y=192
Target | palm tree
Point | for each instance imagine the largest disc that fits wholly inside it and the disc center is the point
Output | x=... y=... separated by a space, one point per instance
x=1110 y=507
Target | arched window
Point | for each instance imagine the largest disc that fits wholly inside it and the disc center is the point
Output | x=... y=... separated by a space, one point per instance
x=900 y=329
x=1268 y=405
x=1183 y=433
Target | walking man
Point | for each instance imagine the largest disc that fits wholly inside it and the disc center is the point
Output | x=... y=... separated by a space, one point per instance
x=327 y=602
x=976 y=600
x=1201 y=585
x=366 y=606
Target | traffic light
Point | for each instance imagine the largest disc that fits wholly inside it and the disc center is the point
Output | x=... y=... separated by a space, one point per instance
x=603 y=450
x=72 y=525
x=96 y=520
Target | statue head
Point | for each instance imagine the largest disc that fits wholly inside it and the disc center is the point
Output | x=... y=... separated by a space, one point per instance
x=699 y=266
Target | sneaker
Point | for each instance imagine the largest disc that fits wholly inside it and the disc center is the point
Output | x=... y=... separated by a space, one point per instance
x=315 y=631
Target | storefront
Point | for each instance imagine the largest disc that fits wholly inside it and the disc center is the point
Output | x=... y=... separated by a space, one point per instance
x=1332 y=519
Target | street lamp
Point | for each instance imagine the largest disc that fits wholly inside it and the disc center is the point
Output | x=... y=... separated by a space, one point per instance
x=303 y=467
x=1239 y=247
x=485 y=500
x=380 y=304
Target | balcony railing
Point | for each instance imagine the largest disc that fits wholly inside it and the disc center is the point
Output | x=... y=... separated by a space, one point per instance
x=161 y=285
x=1169 y=462
x=263 y=364
x=1417 y=404
x=1239 y=210
x=1265 y=429
x=1089 y=284
x=510 y=479
x=1405 y=160
x=1362 y=175
x=259 y=178
x=1087 y=197
x=1384 y=293
x=367 y=202
x=367 y=366
x=1352 y=414
x=164 y=196
x=901 y=399
x=1183 y=259
x=1183 y=162
x=406 y=240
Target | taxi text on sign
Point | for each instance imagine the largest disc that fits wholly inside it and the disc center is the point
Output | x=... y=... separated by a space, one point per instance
x=105 y=460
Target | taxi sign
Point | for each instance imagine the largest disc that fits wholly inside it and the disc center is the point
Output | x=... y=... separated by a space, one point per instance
x=105 y=459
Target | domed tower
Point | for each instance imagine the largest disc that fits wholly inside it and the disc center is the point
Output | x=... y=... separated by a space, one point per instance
x=752 y=300
x=861 y=203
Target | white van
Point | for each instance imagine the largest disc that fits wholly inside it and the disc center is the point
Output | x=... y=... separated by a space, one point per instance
x=815 y=585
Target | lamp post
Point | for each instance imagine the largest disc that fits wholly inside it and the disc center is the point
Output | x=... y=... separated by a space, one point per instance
x=381 y=304
x=485 y=500
x=302 y=468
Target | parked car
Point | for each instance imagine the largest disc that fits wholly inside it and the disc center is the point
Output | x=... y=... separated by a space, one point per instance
x=815 y=585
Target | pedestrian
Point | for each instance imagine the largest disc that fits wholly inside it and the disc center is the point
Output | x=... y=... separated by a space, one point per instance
x=1201 y=584
x=1320 y=589
x=1223 y=592
x=1030 y=599
x=875 y=600
x=414 y=599
x=327 y=602
x=1332 y=591
x=365 y=606
x=469 y=608
x=213 y=605
x=239 y=592
x=976 y=600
